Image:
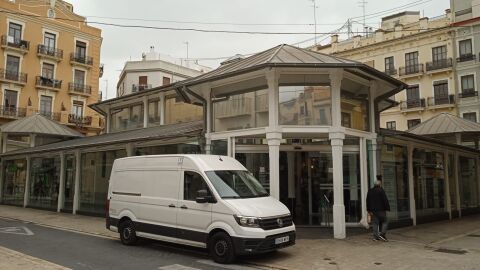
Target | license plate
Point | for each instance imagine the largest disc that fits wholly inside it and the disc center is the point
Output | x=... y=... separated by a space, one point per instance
x=282 y=240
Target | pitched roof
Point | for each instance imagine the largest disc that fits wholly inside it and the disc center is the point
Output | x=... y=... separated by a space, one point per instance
x=445 y=123
x=188 y=129
x=39 y=124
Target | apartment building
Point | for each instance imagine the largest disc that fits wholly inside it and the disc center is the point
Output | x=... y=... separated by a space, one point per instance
x=155 y=70
x=50 y=64
x=418 y=51
x=466 y=25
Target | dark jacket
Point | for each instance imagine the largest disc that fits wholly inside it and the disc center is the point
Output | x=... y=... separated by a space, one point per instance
x=377 y=200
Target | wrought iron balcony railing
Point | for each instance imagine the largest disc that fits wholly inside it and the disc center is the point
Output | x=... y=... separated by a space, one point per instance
x=466 y=57
x=391 y=71
x=79 y=120
x=412 y=104
x=466 y=93
x=49 y=51
x=15 y=76
x=439 y=64
x=411 y=69
x=441 y=100
x=48 y=82
x=82 y=59
x=11 y=111
x=79 y=88
x=9 y=41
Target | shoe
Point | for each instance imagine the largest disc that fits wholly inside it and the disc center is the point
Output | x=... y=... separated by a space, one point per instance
x=375 y=238
x=383 y=238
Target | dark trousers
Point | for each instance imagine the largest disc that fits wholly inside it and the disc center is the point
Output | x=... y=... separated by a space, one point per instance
x=380 y=223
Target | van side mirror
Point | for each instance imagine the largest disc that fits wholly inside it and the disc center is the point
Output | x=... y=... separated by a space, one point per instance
x=203 y=196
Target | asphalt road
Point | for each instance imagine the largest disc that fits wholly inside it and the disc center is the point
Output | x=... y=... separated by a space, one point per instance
x=81 y=251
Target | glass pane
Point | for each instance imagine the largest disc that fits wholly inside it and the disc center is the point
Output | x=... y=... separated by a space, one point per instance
x=179 y=112
x=468 y=182
x=14 y=178
x=183 y=148
x=44 y=182
x=258 y=164
x=305 y=105
x=69 y=182
x=154 y=108
x=219 y=147
x=451 y=182
x=355 y=113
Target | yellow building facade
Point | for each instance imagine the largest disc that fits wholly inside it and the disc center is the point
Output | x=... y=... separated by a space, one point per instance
x=418 y=51
x=49 y=64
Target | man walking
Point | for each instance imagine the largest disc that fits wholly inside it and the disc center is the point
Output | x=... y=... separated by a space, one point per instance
x=377 y=206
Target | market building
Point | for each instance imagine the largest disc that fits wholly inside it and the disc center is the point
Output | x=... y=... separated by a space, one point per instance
x=305 y=124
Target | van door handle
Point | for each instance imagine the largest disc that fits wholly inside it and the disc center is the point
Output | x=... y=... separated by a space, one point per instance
x=172 y=205
x=184 y=207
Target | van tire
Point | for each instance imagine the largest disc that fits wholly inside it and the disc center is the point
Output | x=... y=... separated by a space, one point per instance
x=128 y=235
x=221 y=248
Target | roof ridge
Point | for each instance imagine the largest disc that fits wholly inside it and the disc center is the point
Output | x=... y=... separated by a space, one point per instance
x=275 y=53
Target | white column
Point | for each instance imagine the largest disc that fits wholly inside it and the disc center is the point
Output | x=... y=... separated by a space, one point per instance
x=229 y=146
x=108 y=120
x=32 y=140
x=274 y=139
x=457 y=184
x=61 y=189
x=371 y=100
x=411 y=185
x=208 y=144
x=374 y=172
x=337 y=135
x=27 y=184
x=363 y=176
x=447 y=185
x=272 y=80
x=76 y=194
x=162 y=108
x=129 y=148
x=145 y=111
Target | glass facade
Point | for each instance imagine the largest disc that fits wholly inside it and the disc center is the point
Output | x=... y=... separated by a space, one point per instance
x=241 y=111
x=126 y=118
x=14 y=177
x=44 y=182
x=177 y=111
x=219 y=147
x=355 y=113
x=305 y=105
x=69 y=192
x=394 y=171
x=467 y=181
x=451 y=182
x=154 y=110
x=429 y=181
x=258 y=164
x=95 y=173
x=182 y=148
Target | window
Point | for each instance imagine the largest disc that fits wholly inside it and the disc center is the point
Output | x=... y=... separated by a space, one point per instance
x=392 y=125
x=48 y=70
x=79 y=77
x=389 y=65
x=81 y=50
x=45 y=105
x=411 y=62
x=166 y=81
x=13 y=67
x=440 y=91
x=49 y=41
x=413 y=97
x=15 y=33
x=465 y=48
x=439 y=53
x=413 y=122
x=126 y=117
x=346 y=120
x=468 y=84
x=192 y=183
x=77 y=108
x=10 y=99
x=472 y=116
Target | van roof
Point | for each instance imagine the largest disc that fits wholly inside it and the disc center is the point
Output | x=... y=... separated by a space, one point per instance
x=202 y=162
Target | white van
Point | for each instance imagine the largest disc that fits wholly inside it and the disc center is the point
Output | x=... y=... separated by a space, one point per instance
x=205 y=201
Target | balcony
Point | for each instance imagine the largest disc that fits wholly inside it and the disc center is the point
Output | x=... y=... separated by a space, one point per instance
x=233 y=108
x=18 y=45
x=13 y=77
x=411 y=70
x=49 y=53
x=439 y=64
x=56 y=116
x=466 y=57
x=79 y=120
x=391 y=71
x=412 y=104
x=79 y=89
x=12 y=112
x=140 y=87
x=441 y=101
x=467 y=93
x=81 y=60
x=48 y=83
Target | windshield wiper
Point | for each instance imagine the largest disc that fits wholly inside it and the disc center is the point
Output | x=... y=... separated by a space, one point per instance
x=231 y=197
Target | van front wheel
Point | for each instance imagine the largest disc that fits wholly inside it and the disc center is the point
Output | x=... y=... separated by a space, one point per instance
x=128 y=236
x=221 y=248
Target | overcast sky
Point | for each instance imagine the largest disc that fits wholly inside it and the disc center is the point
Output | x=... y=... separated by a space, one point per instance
x=122 y=44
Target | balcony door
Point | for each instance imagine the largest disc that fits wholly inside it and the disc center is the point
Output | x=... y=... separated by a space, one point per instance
x=439 y=54
x=45 y=105
x=81 y=50
x=440 y=91
x=49 y=41
x=411 y=62
x=48 y=71
x=77 y=108
x=10 y=100
x=13 y=67
x=14 y=33
x=79 y=78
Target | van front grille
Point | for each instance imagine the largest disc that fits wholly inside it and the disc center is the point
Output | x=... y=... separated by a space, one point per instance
x=275 y=223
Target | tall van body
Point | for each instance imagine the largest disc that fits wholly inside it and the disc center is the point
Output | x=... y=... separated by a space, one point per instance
x=204 y=201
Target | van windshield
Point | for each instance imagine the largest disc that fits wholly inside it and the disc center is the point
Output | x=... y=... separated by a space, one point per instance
x=236 y=184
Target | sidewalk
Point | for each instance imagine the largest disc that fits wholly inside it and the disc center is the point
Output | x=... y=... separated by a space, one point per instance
x=13 y=260
x=409 y=248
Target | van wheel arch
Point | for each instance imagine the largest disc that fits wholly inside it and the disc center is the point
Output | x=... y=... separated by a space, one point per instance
x=223 y=238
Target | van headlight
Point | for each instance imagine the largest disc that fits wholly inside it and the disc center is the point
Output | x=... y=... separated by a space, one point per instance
x=247 y=221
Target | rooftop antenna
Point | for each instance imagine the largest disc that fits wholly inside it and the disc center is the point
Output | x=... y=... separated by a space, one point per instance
x=315 y=18
x=363 y=5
